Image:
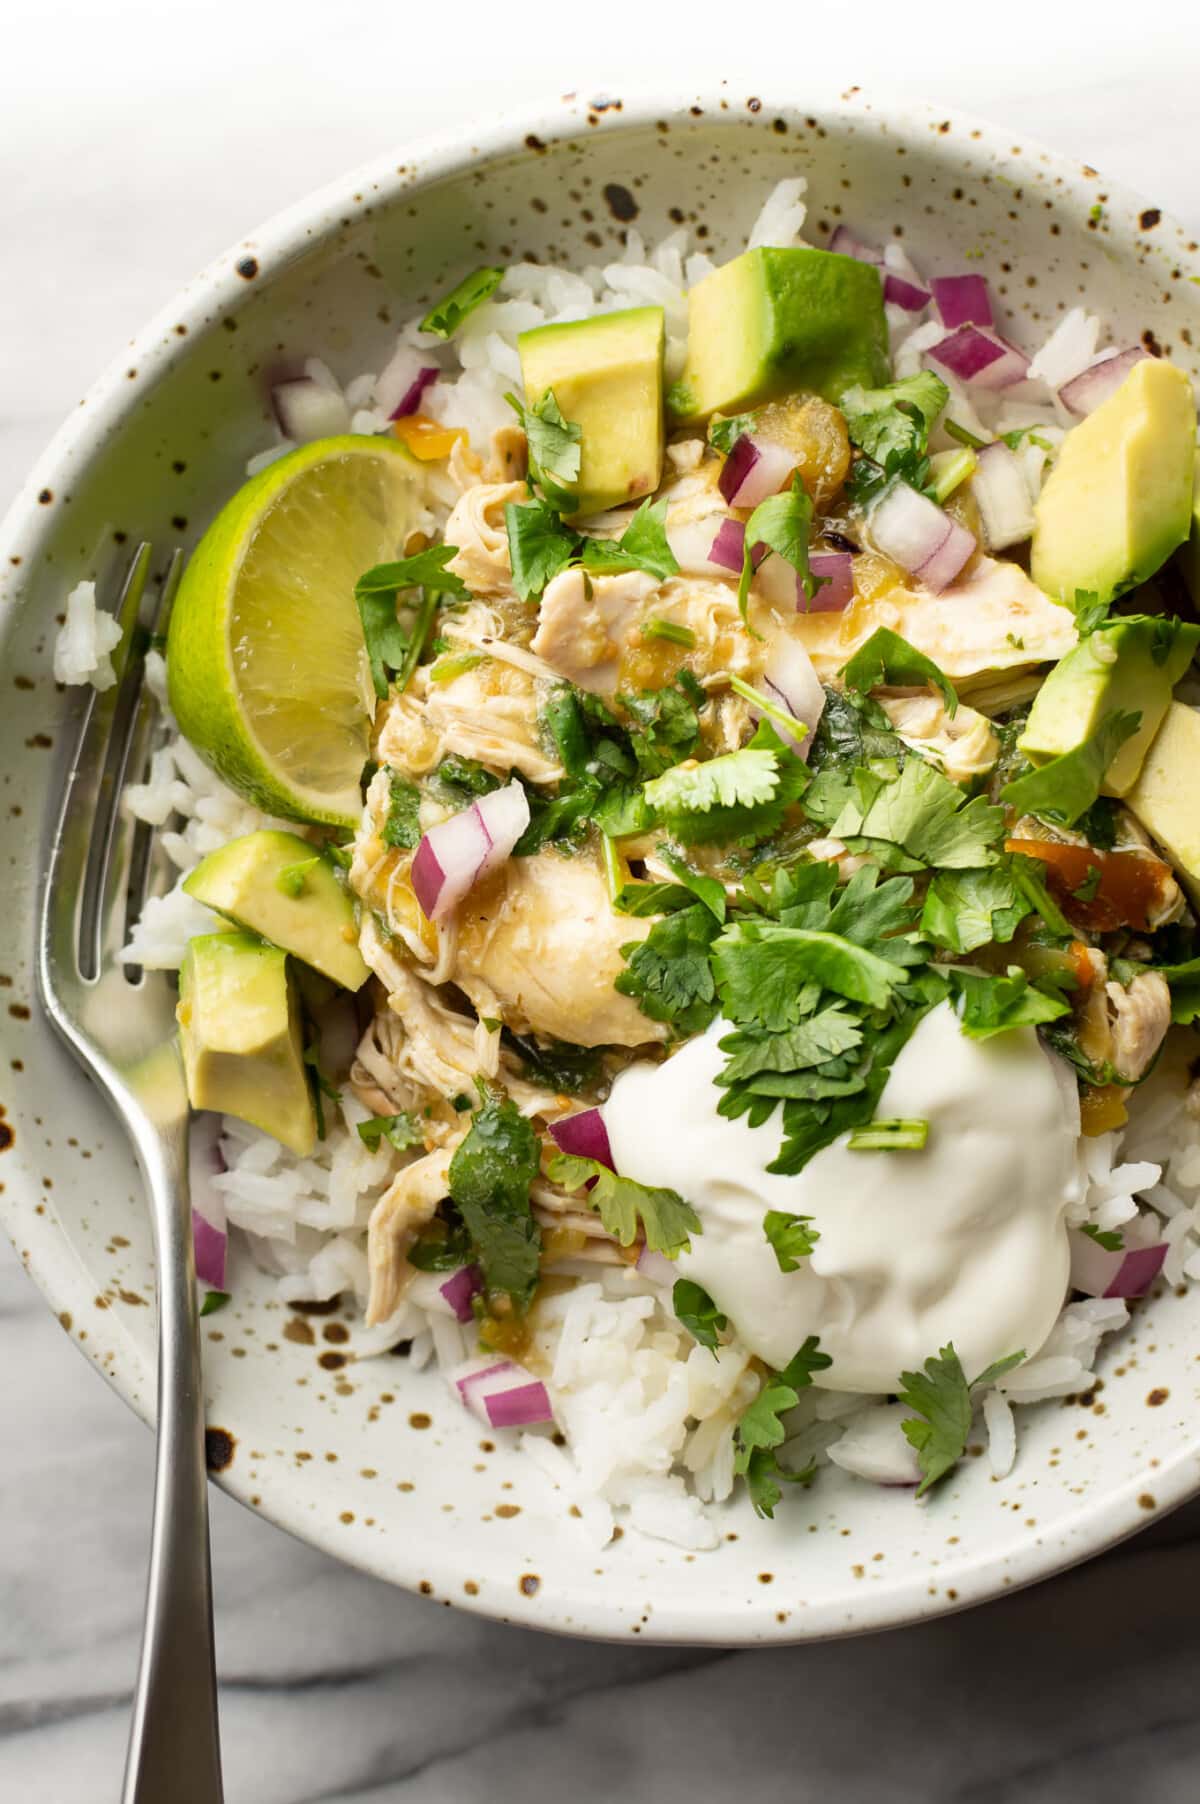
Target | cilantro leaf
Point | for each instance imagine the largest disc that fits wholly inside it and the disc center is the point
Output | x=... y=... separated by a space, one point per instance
x=762 y=966
x=489 y=1179
x=826 y=1035
x=942 y=1398
x=921 y=811
x=1110 y=1239
x=444 y=1245
x=782 y=523
x=967 y=909
x=386 y=640
x=725 y=431
x=853 y=730
x=668 y=973
x=894 y=420
x=1090 y=612
x=423 y=570
x=1067 y=786
x=665 y=1219
x=447 y=315
x=463 y=777
x=642 y=546
x=992 y=1005
x=213 y=1301
x=401 y=1130
x=742 y=779
x=759 y=1431
x=402 y=828
x=699 y=1314
x=890 y=426
x=554 y=453
x=887 y=658
x=539 y=545
x=389 y=645
x=666 y=726
x=791 y=1237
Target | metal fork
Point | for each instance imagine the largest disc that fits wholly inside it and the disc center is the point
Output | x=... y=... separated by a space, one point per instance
x=119 y=1022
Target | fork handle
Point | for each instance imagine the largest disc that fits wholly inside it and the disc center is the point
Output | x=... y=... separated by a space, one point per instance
x=174 y=1743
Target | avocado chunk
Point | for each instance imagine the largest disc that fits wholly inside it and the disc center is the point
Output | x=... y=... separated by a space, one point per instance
x=1119 y=500
x=1129 y=666
x=239 y=1028
x=779 y=321
x=279 y=886
x=1165 y=798
x=606 y=374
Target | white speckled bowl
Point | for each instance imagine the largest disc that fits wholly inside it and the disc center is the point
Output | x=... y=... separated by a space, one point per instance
x=369 y=1461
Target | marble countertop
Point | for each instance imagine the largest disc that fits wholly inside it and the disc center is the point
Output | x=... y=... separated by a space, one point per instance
x=336 y=1689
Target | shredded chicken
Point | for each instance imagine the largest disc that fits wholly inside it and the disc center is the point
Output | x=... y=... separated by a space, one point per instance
x=509 y=457
x=585 y=622
x=476 y=526
x=963 y=745
x=543 y=937
x=1141 y=1016
x=489 y=713
x=407 y=1205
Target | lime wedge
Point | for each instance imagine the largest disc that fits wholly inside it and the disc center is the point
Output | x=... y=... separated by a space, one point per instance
x=266 y=664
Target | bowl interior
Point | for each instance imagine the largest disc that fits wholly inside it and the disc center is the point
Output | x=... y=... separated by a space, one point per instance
x=371 y=1461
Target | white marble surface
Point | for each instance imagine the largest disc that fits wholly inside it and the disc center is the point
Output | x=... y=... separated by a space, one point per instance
x=136 y=140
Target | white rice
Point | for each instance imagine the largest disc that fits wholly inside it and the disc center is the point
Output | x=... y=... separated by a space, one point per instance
x=648 y=1417
x=86 y=640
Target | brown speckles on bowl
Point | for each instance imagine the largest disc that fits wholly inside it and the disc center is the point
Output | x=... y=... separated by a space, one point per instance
x=219 y=1448
x=336 y=1332
x=620 y=202
x=7 y=1136
x=299 y=1333
x=419 y=1419
x=45 y=497
x=1149 y=218
x=1147 y=1502
x=506 y=1511
x=529 y=1584
x=1157 y=1398
x=247 y=268
x=332 y=1362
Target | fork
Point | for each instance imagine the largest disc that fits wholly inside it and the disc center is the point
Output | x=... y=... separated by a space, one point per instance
x=119 y=1022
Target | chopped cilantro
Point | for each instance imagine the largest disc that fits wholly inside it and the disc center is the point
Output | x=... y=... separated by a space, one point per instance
x=760 y=1431
x=887 y=658
x=782 y=523
x=539 y=545
x=447 y=315
x=554 y=453
x=699 y=1314
x=444 y=1245
x=557 y=1064
x=665 y=1219
x=791 y=1237
x=1099 y=824
x=891 y=427
x=1086 y=891
x=1109 y=1238
x=214 y=1300
x=463 y=777
x=293 y=878
x=742 y=779
x=389 y=645
x=669 y=631
x=962 y=437
x=319 y=1086
x=1090 y=611
x=967 y=909
x=455 y=664
x=942 y=1398
x=642 y=546
x=725 y=431
x=489 y=1179
x=401 y=1130
x=920 y=812
x=402 y=828
x=990 y=1004
x=668 y=973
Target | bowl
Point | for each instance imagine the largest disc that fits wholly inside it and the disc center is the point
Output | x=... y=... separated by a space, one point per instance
x=372 y=1462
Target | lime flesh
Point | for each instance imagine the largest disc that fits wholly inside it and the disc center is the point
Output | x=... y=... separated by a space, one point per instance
x=267 y=669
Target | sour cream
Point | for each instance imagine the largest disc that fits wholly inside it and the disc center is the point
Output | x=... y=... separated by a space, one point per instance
x=964 y=1241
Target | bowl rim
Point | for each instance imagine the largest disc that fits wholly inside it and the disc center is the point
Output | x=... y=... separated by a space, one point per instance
x=1118 y=1511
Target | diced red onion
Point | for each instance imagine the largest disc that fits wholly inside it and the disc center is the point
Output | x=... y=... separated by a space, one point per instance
x=1128 y=1271
x=459 y=852
x=459 y=1288
x=789 y=679
x=1084 y=392
x=875 y=1447
x=847 y=245
x=209 y=1236
x=691 y=545
x=962 y=301
x=411 y=399
x=917 y=535
x=973 y=355
x=728 y=548
x=504 y=1395
x=656 y=1267
x=1002 y=496
x=754 y=469
x=837 y=589
x=905 y=295
x=307 y=410
x=584 y=1136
